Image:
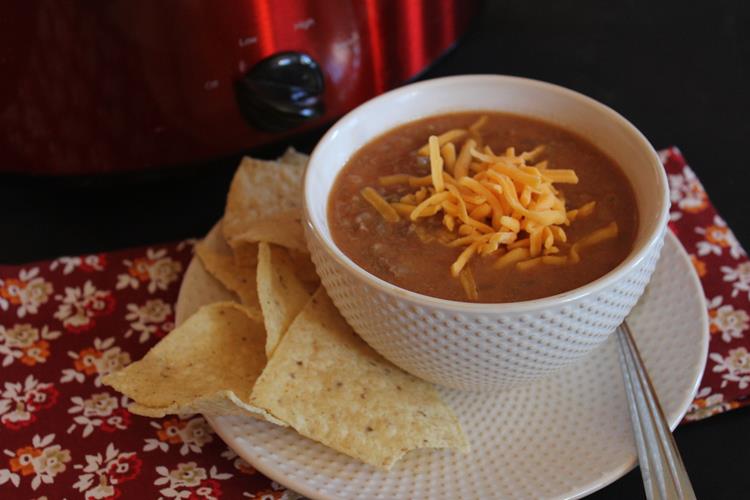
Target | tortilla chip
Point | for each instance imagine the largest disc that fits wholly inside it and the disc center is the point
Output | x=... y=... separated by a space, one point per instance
x=282 y=295
x=265 y=204
x=235 y=273
x=294 y=157
x=218 y=403
x=209 y=364
x=330 y=386
x=246 y=255
x=199 y=288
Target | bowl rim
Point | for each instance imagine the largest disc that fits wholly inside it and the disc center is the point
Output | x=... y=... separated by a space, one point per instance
x=620 y=272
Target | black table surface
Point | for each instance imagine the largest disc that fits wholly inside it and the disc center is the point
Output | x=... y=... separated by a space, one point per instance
x=678 y=70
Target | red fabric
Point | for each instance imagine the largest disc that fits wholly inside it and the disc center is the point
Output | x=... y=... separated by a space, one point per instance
x=65 y=323
x=724 y=270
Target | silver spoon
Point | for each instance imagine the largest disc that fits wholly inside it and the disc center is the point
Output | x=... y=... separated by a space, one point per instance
x=664 y=474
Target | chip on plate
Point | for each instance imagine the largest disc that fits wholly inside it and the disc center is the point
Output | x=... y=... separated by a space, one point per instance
x=329 y=385
x=199 y=288
x=236 y=269
x=265 y=204
x=294 y=157
x=281 y=293
x=209 y=364
x=246 y=255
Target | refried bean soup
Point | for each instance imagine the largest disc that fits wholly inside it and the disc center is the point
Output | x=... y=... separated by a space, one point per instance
x=483 y=207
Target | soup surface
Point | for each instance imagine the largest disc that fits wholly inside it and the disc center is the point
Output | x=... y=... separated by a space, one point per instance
x=418 y=254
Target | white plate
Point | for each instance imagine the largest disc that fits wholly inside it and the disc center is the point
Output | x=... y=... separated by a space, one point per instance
x=565 y=436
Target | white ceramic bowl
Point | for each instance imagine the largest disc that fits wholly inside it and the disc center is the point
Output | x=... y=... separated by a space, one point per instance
x=485 y=346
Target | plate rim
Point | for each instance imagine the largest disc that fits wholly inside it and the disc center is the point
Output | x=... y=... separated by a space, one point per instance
x=595 y=484
x=693 y=277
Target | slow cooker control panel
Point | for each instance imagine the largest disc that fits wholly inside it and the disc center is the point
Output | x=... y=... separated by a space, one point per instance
x=281 y=92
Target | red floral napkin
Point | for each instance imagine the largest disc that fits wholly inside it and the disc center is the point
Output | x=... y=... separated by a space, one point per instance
x=724 y=270
x=65 y=323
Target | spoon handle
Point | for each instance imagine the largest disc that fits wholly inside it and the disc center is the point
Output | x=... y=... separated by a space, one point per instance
x=664 y=474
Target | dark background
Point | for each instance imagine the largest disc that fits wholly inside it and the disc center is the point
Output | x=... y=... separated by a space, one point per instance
x=677 y=70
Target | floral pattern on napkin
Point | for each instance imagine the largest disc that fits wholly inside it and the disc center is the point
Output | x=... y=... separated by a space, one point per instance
x=66 y=323
x=724 y=270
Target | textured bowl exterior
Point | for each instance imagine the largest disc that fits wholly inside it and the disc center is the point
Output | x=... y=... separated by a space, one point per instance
x=472 y=346
x=478 y=350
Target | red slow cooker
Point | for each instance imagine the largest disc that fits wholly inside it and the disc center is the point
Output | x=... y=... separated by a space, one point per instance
x=118 y=85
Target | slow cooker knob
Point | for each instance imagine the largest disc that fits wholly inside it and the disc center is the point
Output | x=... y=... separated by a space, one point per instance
x=281 y=92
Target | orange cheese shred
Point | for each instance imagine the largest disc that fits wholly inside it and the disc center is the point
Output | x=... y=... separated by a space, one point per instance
x=448 y=152
x=435 y=199
x=391 y=180
x=510 y=258
x=382 y=206
x=554 y=260
x=443 y=138
x=461 y=168
x=466 y=277
x=436 y=164
x=403 y=209
x=525 y=265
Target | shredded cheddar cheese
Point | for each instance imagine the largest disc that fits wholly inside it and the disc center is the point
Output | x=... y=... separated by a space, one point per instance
x=557 y=261
x=382 y=206
x=404 y=209
x=444 y=138
x=525 y=265
x=461 y=167
x=391 y=180
x=510 y=258
x=491 y=205
x=436 y=164
x=449 y=155
x=467 y=282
